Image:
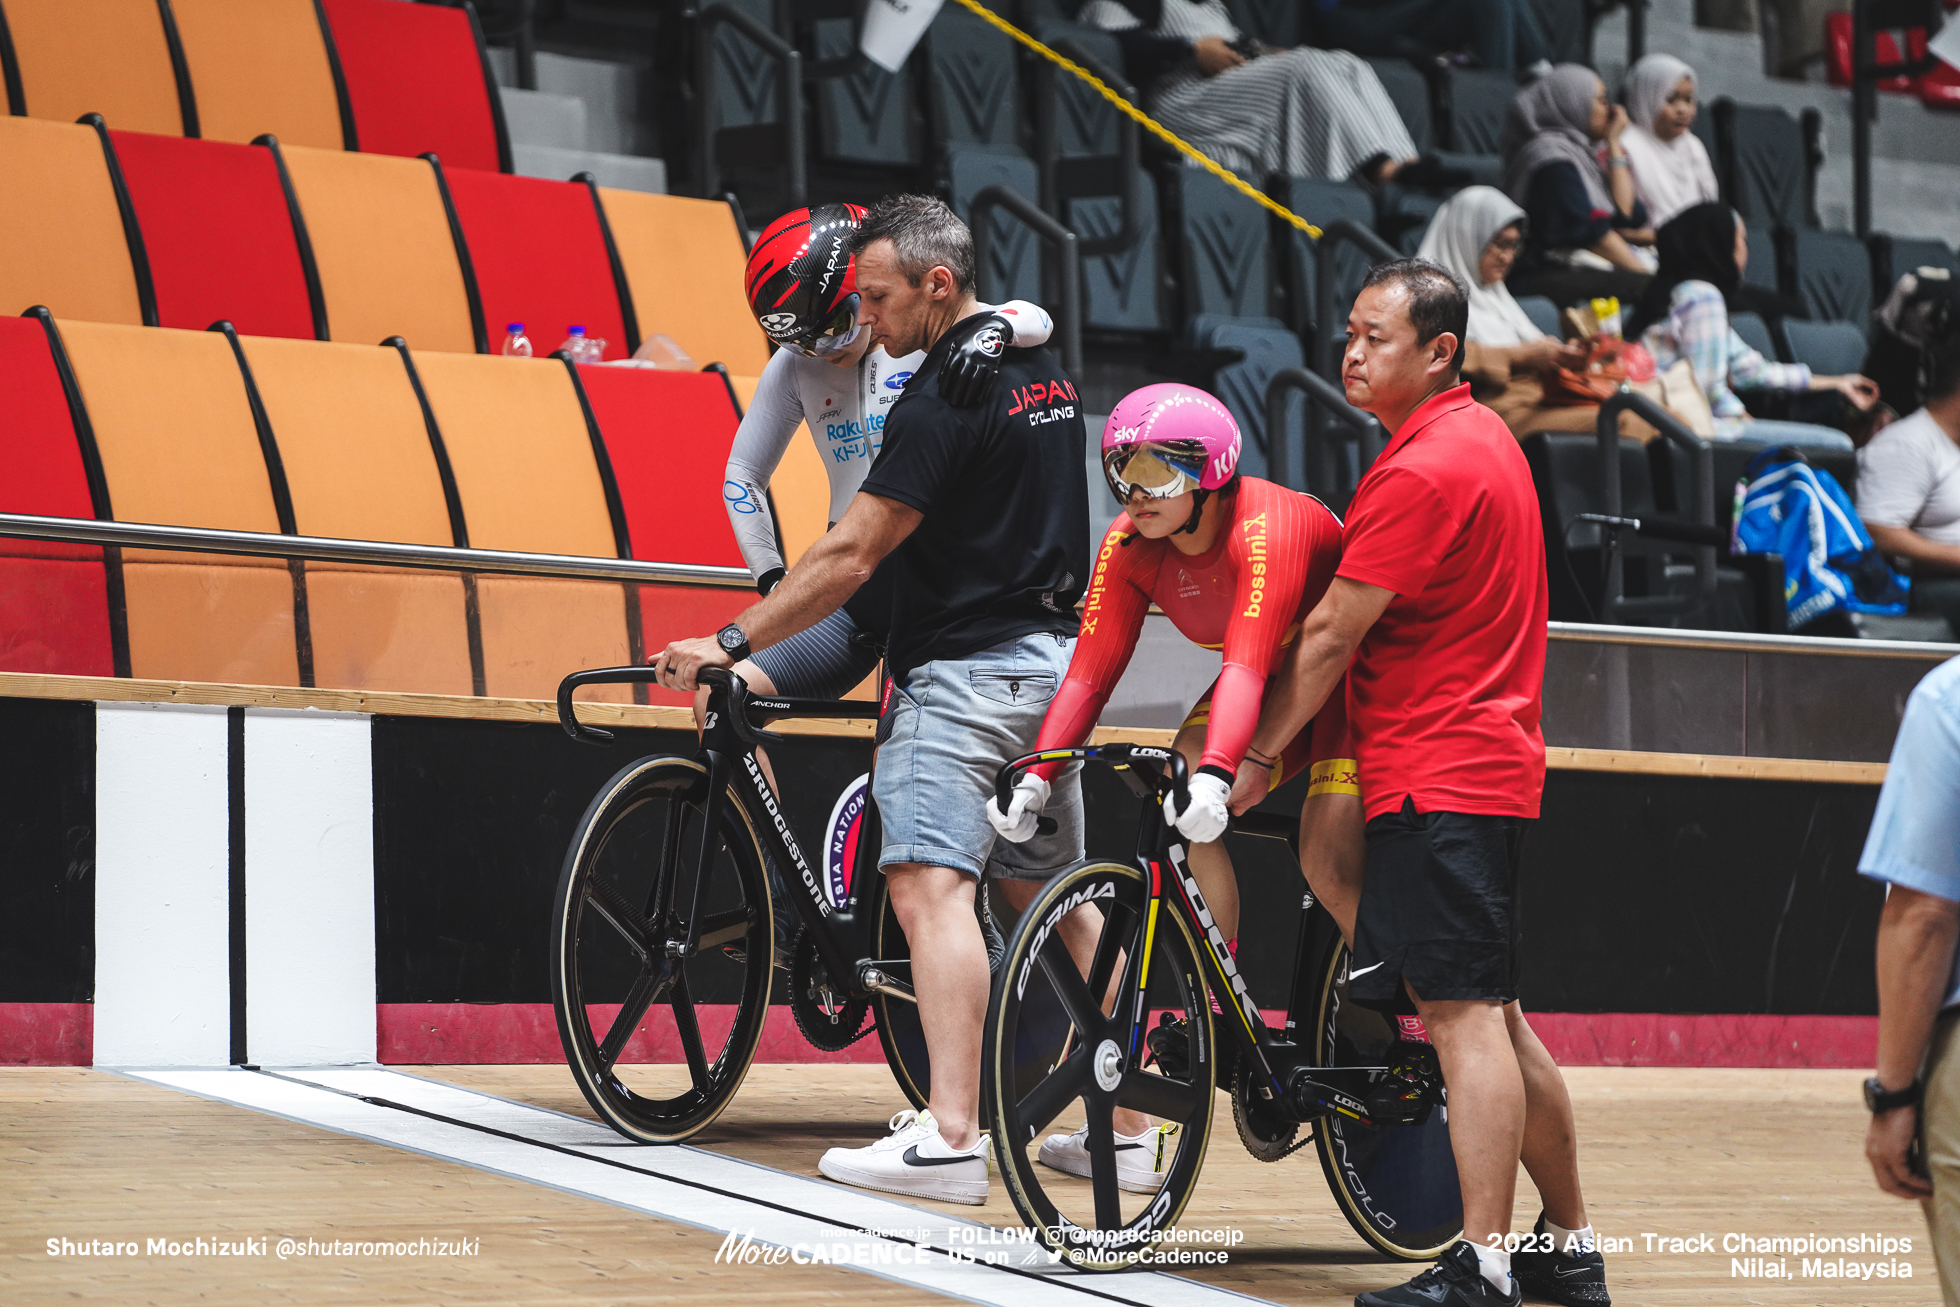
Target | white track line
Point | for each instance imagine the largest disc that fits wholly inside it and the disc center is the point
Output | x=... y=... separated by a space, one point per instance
x=689 y=1186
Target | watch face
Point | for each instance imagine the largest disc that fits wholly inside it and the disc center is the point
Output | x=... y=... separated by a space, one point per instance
x=731 y=638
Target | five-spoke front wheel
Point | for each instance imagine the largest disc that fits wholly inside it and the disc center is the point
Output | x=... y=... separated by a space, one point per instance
x=1084 y=977
x=658 y=1030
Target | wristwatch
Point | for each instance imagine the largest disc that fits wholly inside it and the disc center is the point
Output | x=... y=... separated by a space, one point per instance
x=1880 y=1100
x=733 y=642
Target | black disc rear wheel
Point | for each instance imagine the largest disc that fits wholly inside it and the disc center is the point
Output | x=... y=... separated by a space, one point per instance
x=1396 y=1184
x=658 y=1034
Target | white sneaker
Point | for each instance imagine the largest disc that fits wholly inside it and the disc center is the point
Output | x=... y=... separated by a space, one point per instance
x=914 y=1160
x=1140 y=1159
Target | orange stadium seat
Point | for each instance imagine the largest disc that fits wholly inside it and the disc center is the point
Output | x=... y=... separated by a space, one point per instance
x=54 y=598
x=383 y=249
x=418 y=80
x=360 y=462
x=217 y=233
x=527 y=470
x=63 y=241
x=539 y=257
x=111 y=57
x=260 y=67
x=672 y=505
x=174 y=428
x=683 y=260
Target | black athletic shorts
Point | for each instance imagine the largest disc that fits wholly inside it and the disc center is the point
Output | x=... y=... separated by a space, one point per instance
x=1439 y=907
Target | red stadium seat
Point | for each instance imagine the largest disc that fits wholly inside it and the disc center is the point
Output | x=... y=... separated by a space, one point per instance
x=219 y=235
x=540 y=258
x=418 y=80
x=670 y=489
x=54 y=603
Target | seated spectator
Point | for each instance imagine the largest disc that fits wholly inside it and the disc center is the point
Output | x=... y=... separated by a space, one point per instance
x=1583 y=227
x=1909 y=489
x=1475 y=236
x=1301 y=112
x=1502 y=34
x=1921 y=311
x=1682 y=315
x=1670 y=166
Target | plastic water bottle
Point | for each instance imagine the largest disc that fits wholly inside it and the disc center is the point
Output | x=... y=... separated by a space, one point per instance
x=517 y=345
x=595 y=350
x=575 y=343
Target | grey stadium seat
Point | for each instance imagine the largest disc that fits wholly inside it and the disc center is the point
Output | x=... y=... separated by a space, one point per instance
x=1120 y=288
x=973 y=90
x=1764 y=162
x=1542 y=312
x=863 y=117
x=1409 y=90
x=1013 y=268
x=1478 y=99
x=1830 y=348
x=1321 y=202
x=1833 y=273
x=1755 y=333
x=1763 y=257
x=1224 y=248
x=1894 y=256
x=1268 y=348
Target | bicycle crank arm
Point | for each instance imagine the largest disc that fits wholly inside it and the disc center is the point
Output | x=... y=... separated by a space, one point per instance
x=874 y=979
x=1332 y=1091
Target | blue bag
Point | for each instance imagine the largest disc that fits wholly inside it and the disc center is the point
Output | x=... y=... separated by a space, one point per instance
x=1784 y=506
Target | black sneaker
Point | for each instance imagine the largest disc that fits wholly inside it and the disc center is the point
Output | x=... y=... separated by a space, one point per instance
x=1575 y=1279
x=1455 y=1280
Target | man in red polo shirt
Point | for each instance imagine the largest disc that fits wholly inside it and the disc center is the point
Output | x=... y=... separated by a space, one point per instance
x=1440 y=604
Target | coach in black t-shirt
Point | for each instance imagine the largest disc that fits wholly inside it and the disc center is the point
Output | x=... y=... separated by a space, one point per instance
x=986 y=508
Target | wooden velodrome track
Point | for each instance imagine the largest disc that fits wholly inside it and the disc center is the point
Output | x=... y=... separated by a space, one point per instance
x=93 y=1155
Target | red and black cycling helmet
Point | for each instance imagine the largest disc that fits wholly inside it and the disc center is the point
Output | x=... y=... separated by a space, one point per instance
x=801 y=279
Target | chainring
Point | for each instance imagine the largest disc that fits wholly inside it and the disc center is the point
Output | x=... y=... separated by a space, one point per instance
x=1266 y=1134
x=828 y=1019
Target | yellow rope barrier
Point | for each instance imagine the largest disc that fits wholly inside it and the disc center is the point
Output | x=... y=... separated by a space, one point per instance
x=1143 y=119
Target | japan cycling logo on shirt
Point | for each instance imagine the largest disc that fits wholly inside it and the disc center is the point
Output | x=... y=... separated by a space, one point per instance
x=841 y=835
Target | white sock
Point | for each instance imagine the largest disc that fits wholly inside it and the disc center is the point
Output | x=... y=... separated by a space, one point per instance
x=1495 y=1263
x=1570 y=1242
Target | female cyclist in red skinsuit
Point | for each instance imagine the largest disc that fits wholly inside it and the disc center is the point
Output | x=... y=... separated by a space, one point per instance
x=1235 y=563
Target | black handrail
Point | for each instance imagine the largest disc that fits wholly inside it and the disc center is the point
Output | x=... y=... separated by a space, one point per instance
x=1701 y=458
x=1866 y=17
x=789 y=60
x=1321 y=393
x=1326 y=324
x=1068 y=254
x=1128 y=157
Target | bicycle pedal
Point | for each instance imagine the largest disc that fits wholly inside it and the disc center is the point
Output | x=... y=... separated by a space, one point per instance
x=1170 y=1047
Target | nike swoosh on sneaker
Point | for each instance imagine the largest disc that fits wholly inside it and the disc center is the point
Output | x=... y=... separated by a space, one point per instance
x=1577 y=1270
x=912 y=1158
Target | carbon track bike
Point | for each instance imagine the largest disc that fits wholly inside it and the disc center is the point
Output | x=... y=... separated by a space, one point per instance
x=1070 y=1038
x=663 y=903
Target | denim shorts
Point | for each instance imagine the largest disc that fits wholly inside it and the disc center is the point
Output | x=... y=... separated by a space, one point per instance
x=951 y=726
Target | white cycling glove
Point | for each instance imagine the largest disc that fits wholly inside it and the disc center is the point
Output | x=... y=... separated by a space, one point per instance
x=1017 y=823
x=1204 y=818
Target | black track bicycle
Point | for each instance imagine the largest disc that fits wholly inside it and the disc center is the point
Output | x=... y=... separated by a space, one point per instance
x=663 y=930
x=1127 y=1021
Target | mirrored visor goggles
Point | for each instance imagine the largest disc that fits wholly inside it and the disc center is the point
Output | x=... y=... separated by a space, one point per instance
x=834 y=337
x=1158 y=471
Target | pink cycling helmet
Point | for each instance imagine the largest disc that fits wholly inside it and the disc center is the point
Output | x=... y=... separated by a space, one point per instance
x=1167 y=439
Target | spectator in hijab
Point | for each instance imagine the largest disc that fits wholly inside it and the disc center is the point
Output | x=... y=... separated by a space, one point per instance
x=1302 y=112
x=1475 y=236
x=1583 y=222
x=1670 y=166
x=1502 y=34
x=1682 y=315
x=1920 y=314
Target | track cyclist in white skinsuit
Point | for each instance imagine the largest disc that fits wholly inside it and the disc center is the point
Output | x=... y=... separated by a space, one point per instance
x=802 y=289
